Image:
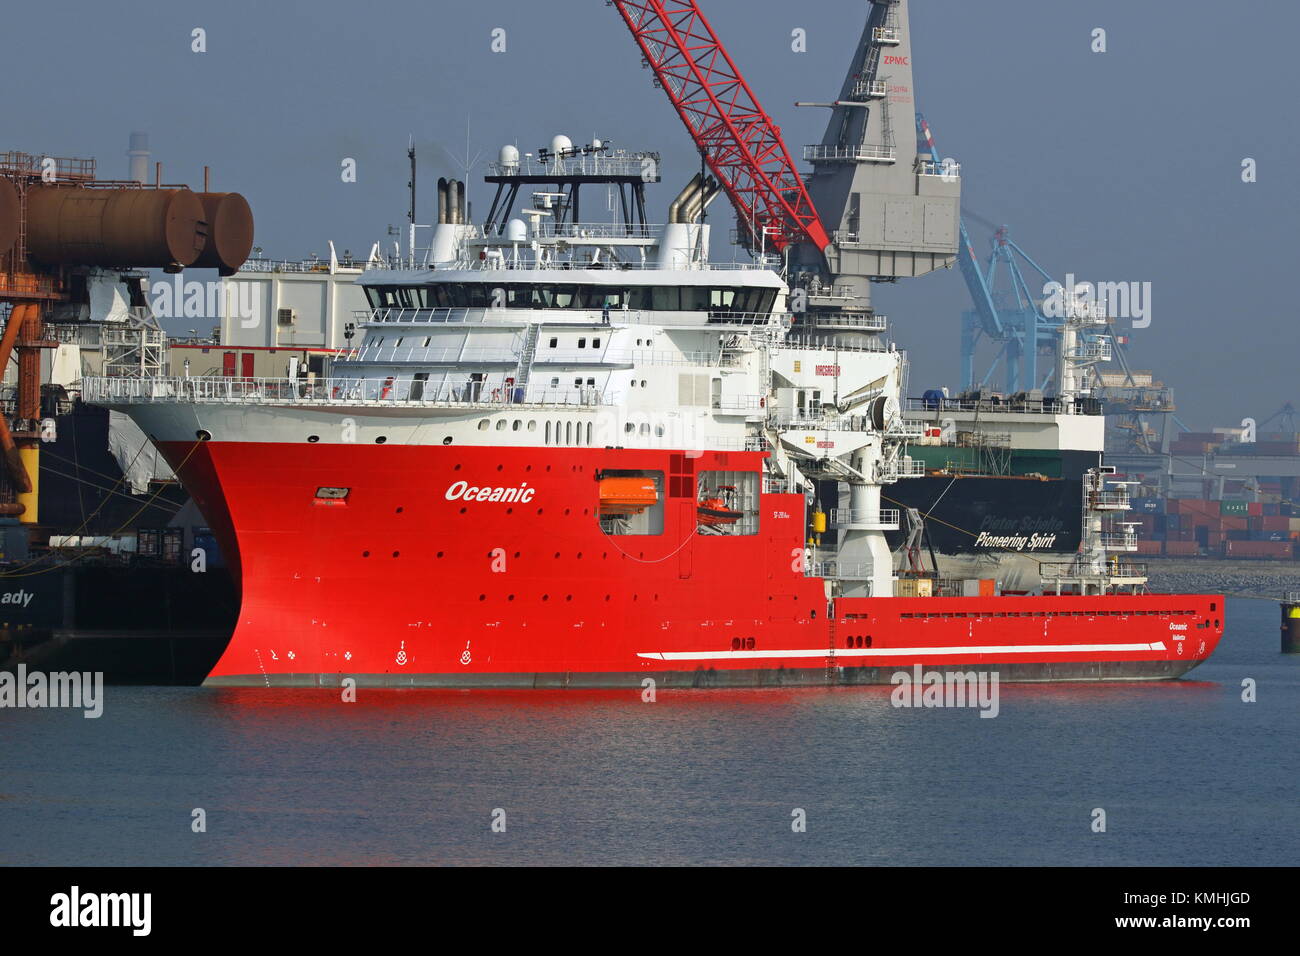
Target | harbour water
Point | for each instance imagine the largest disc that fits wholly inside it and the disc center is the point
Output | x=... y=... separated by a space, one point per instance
x=1186 y=772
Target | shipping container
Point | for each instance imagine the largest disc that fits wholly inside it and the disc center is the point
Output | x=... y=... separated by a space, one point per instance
x=1181 y=548
x=1227 y=507
x=1258 y=549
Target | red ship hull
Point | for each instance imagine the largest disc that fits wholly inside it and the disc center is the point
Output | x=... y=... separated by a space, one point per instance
x=398 y=584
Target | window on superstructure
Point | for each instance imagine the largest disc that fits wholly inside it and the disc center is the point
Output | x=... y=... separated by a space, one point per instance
x=588 y=433
x=630 y=502
x=568 y=433
x=595 y=343
x=554 y=342
x=667 y=298
x=727 y=502
x=695 y=300
x=548 y=433
x=582 y=343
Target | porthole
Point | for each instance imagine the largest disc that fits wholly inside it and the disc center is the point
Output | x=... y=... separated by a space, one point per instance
x=532 y=424
x=484 y=425
x=629 y=428
x=501 y=424
x=447 y=440
x=313 y=438
x=380 y=440
x=365 y=554
x=516 y=425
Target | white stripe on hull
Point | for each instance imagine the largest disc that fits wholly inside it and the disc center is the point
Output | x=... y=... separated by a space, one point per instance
x=901 y=651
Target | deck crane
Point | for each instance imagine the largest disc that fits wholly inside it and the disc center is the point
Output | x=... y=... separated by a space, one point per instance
x=736 y=137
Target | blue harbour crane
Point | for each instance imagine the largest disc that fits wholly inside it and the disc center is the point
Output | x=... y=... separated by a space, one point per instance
x=1007 y=310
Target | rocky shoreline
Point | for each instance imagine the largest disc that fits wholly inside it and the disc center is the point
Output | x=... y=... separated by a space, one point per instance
x=1270 y=580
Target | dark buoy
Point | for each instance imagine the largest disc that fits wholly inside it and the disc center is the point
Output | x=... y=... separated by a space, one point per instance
x=1291 y=623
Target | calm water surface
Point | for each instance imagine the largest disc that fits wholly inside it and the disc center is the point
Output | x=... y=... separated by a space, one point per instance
x=1187 y=774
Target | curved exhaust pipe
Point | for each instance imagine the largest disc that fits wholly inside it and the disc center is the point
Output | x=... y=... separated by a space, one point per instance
x=683 y=199
x=701 y=199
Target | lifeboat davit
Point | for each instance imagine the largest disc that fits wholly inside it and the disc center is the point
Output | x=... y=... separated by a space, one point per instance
x=627 y=496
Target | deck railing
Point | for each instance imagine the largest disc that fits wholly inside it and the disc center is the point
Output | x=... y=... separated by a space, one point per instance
x=219 y=390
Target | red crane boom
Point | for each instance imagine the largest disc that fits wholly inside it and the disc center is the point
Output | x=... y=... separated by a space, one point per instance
x=740 y=143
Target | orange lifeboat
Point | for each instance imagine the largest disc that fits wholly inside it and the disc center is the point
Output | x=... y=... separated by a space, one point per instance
x=627 y=496
x=719 y=508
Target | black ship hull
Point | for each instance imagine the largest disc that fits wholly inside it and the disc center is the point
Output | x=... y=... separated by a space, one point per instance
x=136 y=624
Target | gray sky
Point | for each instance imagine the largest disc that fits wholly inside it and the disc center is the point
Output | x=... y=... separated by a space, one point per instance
x=1122 y=166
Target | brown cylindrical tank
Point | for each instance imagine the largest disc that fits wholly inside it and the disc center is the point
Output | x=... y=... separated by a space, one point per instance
x=230 y=232
x=140 y=228
x=8 y=216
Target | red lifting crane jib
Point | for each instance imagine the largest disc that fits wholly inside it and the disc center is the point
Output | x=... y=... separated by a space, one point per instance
x=739 y=141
